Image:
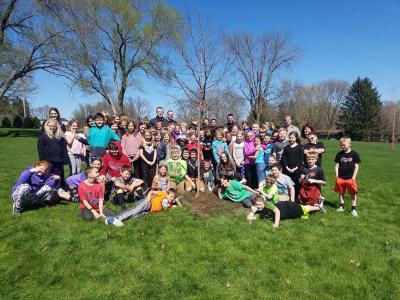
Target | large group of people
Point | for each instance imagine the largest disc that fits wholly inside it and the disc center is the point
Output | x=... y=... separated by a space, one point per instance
x=145 y=167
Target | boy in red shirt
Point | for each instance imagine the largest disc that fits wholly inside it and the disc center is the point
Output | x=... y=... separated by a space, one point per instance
x=112 y=163
x=91 y=195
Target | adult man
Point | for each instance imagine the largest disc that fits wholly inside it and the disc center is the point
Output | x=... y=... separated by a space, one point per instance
x=170 y=117
x=290 y=127
x=159 y=117
x=230 y=121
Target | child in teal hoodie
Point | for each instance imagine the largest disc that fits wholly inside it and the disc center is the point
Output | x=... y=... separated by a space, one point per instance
x=100 y=136
x=219 y=146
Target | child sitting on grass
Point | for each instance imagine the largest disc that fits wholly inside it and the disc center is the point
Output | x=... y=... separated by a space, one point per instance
x=284 y=183
x=346 y=170
x=161 y=182
x=124 y=188
x=269 y=189
x=282 y=210
x=155 y=201
x=36 y=185
x=311 y=179
x=91 y=194
x=74 y=180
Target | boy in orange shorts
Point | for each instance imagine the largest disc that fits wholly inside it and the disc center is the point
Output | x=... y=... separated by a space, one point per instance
x=346 y=169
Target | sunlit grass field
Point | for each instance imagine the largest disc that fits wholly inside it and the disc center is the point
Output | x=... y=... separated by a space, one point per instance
x=50 y=253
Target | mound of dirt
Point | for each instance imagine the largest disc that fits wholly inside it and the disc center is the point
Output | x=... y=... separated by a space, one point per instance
x=208 y=203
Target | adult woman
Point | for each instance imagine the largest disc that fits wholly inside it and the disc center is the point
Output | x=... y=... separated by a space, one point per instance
x=76 y=150
x=249 y=162
x=306 y=130
x=54 y=114
x=53 y=148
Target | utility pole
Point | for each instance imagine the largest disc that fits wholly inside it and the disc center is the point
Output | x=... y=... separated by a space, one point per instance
x=23 y=105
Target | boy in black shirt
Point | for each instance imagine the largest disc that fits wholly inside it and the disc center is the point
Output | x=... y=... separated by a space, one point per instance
x=282 y=210
x=313 y=147
x=311 y=179
x=346 y=170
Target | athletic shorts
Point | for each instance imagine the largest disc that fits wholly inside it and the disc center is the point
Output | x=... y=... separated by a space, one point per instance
x=343 y=185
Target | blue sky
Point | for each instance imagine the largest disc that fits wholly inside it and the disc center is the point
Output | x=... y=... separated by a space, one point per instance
x=340 y=40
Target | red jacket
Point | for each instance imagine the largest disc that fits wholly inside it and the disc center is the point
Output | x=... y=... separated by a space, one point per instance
x=113 y=164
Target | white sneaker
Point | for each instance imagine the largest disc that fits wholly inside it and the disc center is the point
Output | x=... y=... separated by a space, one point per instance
x=354 y=213
x=340 y=209
x=322 y=209
x=114 y=221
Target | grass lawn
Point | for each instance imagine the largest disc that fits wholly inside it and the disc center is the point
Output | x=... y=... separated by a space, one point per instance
x=51 y=253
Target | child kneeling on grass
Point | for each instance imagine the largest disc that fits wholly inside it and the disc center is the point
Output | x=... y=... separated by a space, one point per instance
x=125 y=187
x=155 y=201
x=311 y=179
x=269 y=190
x=282 y=210
x=91 y=194
x=36 y=185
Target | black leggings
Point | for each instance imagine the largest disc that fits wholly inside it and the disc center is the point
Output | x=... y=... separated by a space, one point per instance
x=251 y=175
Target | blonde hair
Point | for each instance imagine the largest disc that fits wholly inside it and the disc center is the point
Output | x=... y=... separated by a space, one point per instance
x=345 y=139
x=48 y=130
x=312 y=155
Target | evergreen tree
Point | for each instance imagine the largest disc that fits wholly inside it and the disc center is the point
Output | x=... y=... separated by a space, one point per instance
x=28 y=122
x=36 y=122
x=360 y=112
x=6 y=123
x=17 y=122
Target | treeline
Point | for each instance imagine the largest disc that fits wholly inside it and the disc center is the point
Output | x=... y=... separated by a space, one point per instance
x=106 y=48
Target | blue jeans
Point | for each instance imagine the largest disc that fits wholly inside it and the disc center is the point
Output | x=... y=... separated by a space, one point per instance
x=260 y=170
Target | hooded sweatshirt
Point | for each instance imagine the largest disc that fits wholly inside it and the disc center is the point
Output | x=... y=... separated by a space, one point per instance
x=35 y=181
x=113 y=164
x=101 y=136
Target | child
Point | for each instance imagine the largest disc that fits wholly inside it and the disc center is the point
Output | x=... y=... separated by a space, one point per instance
x=74 y=181
x=76 y=150
x=282 y=210
x=154 y=202
x=100 y=136
x=259 y=160
x=185 y=154
x=346 y=170
x=219 y=146
x=177 y=169
x=238 y=153
x=311 y=180
x=208 y=175
x=161 y=182
x=91 y=194
x=148 y=155
x=249 y=164
x=207 y=144
x=284 y=183
x=193 y=144
x=236 y=192
x=281 y=143
x=269 y=189
x=292 y=160
x=112 y=163
x=130 y=144
x=124 y=187
x=314 y=147
x=268 y=146
x=193 y=180
x=271 y=161
x=35 y=185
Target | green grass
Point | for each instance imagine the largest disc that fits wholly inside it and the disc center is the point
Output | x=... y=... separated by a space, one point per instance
x=50 y=253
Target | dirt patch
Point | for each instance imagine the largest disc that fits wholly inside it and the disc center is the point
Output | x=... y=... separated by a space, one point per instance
x=207 y=203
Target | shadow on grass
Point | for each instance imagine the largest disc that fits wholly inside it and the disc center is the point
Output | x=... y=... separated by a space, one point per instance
x=20 y=132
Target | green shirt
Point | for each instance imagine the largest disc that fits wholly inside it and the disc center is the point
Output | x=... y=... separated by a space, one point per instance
x=273 y=189
x=177 y=169
x=235 y=191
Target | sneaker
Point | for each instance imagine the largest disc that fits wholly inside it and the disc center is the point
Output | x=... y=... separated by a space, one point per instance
x=114 y=221
x=354 y=213
x=321 y=201
x=16 y=210
x=340 y=209
x=322 y=210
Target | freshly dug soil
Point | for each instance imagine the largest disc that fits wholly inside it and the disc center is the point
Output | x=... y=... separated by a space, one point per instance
x=208 y=203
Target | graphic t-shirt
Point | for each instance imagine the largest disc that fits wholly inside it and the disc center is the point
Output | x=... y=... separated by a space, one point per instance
x=284 y=182
x=235 y=192
x=315 y=172
x=90 y=193
x=177 y=169
x=347 y=162
x=271 y=190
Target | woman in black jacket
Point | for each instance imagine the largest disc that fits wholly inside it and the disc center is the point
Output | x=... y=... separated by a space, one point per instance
x=53 y=148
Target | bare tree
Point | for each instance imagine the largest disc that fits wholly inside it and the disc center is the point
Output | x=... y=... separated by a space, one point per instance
x=24 y=47
x=110 y=44
x=257 y=61
x=330 y=95
x=200 y=66
x=137 y=108
x=41 y=112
